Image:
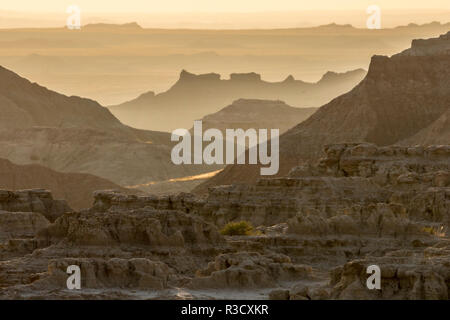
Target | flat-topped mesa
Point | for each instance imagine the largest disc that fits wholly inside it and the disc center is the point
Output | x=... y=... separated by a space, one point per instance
x=112 y=200
x=251 y=77
x=195 y=95
x=134 y=220
x=405 y=66
x=273 y=201
x=186 y=77
x=433 y=46
x=393 y=162
x=406 y=273
x=256 y=114
x=350 y=174
x=33 y=200
x=399 y=97
x=415 y=63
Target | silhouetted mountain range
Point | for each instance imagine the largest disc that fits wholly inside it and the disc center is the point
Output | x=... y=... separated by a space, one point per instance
x=256 y=114
x=73 y=134
x=399 y=97
x=113 y=63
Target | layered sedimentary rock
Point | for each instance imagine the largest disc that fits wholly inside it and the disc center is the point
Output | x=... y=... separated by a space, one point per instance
x=133 y=226
x=256 y=114
x=399 y=97
x=126 y=246
x=247 y=270
x=15 y=225
x=137 y=273
x=359 y=205
x=318 y=229
x=34 y=200
x=405 y=274
x=350 y=175
x=22 y=215
x=436 y=133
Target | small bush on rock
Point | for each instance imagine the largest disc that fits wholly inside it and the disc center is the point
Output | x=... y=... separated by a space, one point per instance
x=241 y=228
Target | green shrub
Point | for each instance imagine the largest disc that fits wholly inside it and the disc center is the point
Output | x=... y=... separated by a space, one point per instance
x=241 y=228
x=435 y=231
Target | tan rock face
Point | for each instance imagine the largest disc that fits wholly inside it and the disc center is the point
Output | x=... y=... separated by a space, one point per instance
x=77 y=135
x=167 y=111
x=144 y=226
x=358 y=202
x=317 y=230
x=35 y=200
x=120 y=243
x=138 y=273
x=14 y=225
x=75 y=188
x=423 y=277
x=404 y=98
x=352 y=181
x=249 y=269
x=256 y=114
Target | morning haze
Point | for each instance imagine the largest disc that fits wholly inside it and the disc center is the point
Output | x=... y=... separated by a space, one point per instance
x=94 y=188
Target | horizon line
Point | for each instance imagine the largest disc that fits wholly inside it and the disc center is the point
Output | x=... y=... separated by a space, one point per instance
x=139 y=27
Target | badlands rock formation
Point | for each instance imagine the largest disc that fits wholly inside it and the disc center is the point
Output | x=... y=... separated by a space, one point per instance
x=318 y=225
x=194 y=96
x=421 y=47
x=22 y=215
x=436 y=133
x=34 y=200
x=118 y=244
x=318 y=230
x=256 y=114
x=75 y=188
x=399 y=97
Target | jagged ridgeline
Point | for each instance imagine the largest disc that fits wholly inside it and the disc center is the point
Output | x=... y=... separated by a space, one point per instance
x=402 y=99
x=194 y=96
x=338 y=206
x=72 y=134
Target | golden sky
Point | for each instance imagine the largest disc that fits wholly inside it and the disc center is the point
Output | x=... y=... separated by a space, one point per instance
x=150 y=6
x=222 y=14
